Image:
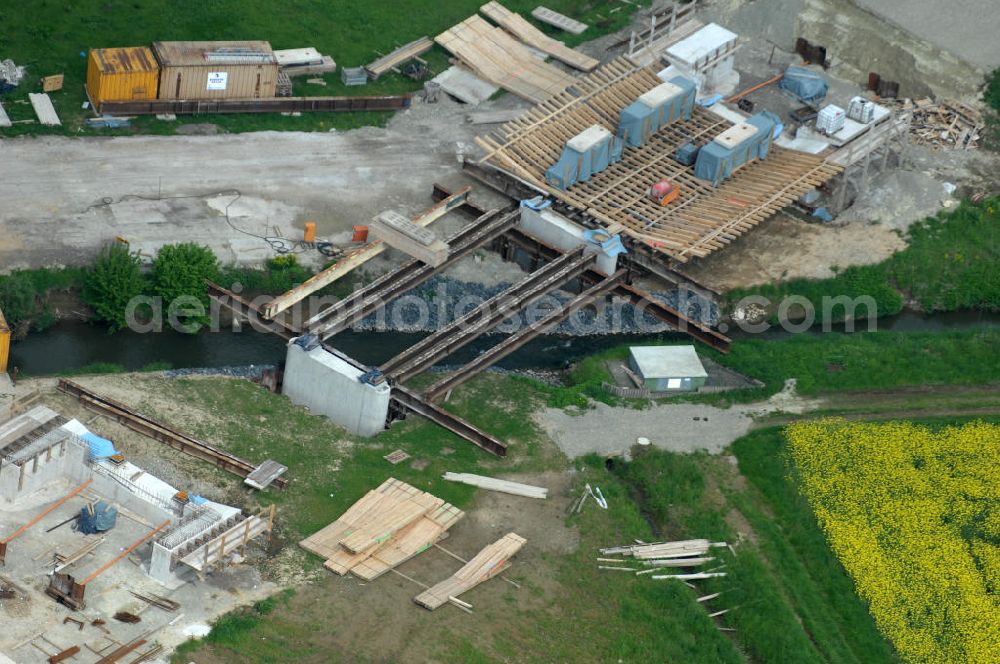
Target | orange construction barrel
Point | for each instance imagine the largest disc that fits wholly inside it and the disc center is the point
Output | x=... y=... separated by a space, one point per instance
x=360 y=233
x=310 y=231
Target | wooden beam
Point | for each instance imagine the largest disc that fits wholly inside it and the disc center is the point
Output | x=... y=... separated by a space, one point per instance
x=357 y=258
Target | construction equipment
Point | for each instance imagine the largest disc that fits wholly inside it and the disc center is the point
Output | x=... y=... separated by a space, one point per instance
x=664 y=192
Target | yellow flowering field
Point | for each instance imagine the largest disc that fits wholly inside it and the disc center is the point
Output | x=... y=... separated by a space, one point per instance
x=914 y=516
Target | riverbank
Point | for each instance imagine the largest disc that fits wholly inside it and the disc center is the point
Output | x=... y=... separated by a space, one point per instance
x=949 y=263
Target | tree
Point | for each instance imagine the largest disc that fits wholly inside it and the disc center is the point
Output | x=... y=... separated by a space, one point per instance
x=179 y=275
x=17 y=298
x=114 y=280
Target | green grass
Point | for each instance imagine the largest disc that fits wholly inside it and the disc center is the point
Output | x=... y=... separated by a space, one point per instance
x=49 y=37
x=787 y=603
x=948 y=264
x=821 y=364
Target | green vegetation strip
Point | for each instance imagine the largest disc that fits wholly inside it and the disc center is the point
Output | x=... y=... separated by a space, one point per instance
x=949 y=264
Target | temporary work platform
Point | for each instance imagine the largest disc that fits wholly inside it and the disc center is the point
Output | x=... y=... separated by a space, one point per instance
x=121 y=74
x=703 y=219
x=216 y=69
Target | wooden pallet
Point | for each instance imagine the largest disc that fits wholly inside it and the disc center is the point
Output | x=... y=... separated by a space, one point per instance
x=499 y=58
x=557 y=20
x=401 y=55
x=489 y=562
x=532 y=36
x=703 y=219
x=414 y=540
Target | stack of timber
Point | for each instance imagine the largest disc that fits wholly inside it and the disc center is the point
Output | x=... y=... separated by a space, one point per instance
x=535 y=38
x=494 y=55
x=387 y=527
x=685 y=553
x=489 y=562
x=493 y=484
x=557 y=20
x=702 y=219
x=401 y=55
x=304 y=61
x=946 y=124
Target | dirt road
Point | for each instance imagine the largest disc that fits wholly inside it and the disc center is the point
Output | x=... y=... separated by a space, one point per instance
x=52 y=188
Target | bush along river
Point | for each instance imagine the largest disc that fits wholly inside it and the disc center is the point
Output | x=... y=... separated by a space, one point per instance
x=70 y=345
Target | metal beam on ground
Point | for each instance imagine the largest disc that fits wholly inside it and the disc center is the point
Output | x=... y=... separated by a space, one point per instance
x=161 y=432
x=359 y=257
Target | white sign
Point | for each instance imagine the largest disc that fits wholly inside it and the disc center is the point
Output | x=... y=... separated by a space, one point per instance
x=217 y=80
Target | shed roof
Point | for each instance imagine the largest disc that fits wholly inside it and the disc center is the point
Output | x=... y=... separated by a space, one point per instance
x=188 y=53
x=668 y=361
x=125 y=60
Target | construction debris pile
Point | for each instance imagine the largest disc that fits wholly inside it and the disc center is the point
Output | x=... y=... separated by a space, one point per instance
x=649 y=558
x=10 y=75
x=945 y=124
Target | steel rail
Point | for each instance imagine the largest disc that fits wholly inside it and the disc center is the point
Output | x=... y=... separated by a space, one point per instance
x=409 y=276
x=491 y=313
x=523 y=336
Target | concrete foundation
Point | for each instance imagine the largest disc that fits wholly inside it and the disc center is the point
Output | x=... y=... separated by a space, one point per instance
x=327 y=385
x=557 y=231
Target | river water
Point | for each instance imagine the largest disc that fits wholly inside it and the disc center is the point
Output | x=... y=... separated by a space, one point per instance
x=70 y=345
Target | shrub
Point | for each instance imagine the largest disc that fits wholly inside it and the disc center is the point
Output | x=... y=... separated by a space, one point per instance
x=180 y=271
x=114 y=280
x=17 y=298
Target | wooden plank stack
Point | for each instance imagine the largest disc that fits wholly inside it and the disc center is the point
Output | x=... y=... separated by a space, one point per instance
x=946 y=124
x=532 y=36
x=388 y=526
x=403 y=54
x=489 y=562
x=493 y=484
x=702 y=219
x=494 y=55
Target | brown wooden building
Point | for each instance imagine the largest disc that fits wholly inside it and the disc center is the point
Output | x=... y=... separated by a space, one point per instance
x=216 y=69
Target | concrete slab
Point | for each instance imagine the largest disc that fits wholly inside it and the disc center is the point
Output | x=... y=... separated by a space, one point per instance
x=465 y=86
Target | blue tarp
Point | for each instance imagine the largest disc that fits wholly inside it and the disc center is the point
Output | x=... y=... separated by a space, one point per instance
x=100 y=448
x=104 y=517
x=715 y=162
x=199 y=500
x=611 y=246
x=804 y=83
x=536 y=203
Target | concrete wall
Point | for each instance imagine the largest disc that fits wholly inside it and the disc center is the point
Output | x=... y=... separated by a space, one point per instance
x=329 y=386
x=858 y=41
x=39 y=475
x=557 y=231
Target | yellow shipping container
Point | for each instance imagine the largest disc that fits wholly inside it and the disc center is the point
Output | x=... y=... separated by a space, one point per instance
x=4 y=343
x=121 y=74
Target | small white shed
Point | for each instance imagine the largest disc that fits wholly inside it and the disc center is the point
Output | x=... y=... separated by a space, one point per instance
x=665 y=368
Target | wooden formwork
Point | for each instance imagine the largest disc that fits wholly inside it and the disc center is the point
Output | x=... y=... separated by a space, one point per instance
x=703 y=219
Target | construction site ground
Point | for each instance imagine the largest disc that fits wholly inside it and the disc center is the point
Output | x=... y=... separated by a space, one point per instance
x=561 y=594
x=147 y=189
